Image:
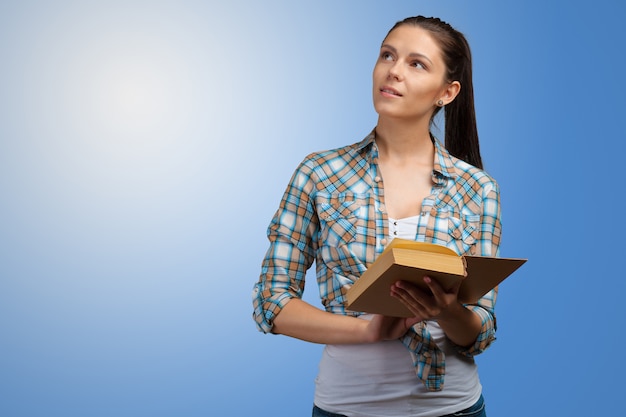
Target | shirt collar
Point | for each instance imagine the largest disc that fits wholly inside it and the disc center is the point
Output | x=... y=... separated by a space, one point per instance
x=443 y=164
x=367 y=142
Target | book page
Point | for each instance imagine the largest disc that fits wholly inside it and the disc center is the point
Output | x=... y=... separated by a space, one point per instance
x=423 y=246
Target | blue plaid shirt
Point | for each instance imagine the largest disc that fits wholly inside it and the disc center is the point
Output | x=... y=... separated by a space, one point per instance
x=333 y=213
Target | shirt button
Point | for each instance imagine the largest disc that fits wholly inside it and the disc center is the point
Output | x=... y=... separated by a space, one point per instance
x=382 y=207
x=377 y=179
x=383 y=242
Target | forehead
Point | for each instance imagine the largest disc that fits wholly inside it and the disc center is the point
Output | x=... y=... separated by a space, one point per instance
x=409 y=39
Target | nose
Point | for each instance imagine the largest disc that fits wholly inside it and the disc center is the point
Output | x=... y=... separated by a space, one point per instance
x=395 y=72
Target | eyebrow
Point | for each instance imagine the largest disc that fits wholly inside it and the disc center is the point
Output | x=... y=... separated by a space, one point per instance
x=412 y=54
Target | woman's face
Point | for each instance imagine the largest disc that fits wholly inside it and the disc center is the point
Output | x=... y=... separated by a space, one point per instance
x=409 y=75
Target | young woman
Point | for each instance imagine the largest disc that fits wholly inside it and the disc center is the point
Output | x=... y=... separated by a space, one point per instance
x=342 y=207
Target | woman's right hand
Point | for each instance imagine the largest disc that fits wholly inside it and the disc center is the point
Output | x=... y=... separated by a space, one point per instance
x=303 y=321
x=388 y=328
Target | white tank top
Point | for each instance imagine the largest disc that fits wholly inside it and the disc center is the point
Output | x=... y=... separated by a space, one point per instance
x=378 y=379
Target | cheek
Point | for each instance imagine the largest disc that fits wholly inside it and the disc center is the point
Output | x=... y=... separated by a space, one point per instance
x=378 y=77
x=376 y=72
x=426 y=92
x=381 y=69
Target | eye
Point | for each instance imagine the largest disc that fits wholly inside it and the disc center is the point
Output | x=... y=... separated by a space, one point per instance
x=418 y=64
x=386 y=56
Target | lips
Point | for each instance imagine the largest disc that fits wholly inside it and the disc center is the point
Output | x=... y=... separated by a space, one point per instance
x=390 y=91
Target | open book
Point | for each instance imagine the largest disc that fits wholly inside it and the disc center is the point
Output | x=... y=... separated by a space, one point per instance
x=410 y=261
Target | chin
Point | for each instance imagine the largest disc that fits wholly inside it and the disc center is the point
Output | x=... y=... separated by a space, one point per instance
x=386 y=111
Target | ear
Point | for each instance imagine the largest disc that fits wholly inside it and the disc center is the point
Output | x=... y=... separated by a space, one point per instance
x=450 y=92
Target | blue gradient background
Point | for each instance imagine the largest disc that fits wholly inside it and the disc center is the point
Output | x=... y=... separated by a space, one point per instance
x=144 y=147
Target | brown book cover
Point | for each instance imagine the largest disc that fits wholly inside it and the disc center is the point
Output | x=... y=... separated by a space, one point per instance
x=410 y=261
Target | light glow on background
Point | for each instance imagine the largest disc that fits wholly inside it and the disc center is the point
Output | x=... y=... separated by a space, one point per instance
x=144 y=147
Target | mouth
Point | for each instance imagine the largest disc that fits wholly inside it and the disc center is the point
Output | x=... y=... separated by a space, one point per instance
x=390 y=91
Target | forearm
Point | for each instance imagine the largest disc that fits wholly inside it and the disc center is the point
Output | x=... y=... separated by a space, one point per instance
x=303 y=321
x=461 y=325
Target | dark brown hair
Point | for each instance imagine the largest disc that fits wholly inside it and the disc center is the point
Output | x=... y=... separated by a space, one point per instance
x=461 y=132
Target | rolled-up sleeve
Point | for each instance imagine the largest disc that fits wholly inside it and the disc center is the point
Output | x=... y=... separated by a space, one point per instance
x=488 y=243
x=291 y=251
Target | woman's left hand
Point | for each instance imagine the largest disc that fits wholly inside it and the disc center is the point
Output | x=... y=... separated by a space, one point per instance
x=460 y=324
x=425 y=304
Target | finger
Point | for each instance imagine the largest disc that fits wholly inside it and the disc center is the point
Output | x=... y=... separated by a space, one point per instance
x=442 y=296
x=426 y=302
x=412 y=290
x=437 y=290
x=411 y=321
x=414 y=299
x=412 y=295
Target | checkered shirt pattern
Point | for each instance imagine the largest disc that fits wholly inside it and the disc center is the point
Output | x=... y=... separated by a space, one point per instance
x=333 y=213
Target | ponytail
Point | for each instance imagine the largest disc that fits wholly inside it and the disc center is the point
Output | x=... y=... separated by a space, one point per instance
x=461 y=132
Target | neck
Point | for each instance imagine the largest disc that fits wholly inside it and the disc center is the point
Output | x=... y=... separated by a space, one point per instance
x=399 y=139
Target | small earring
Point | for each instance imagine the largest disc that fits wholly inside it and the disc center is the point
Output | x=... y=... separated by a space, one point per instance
x=440 y=103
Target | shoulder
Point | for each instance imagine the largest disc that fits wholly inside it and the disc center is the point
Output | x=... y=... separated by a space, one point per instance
x=473 y=177
x=338 y=170
x=336 y=155
x=468 y=177
x=328 y=163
